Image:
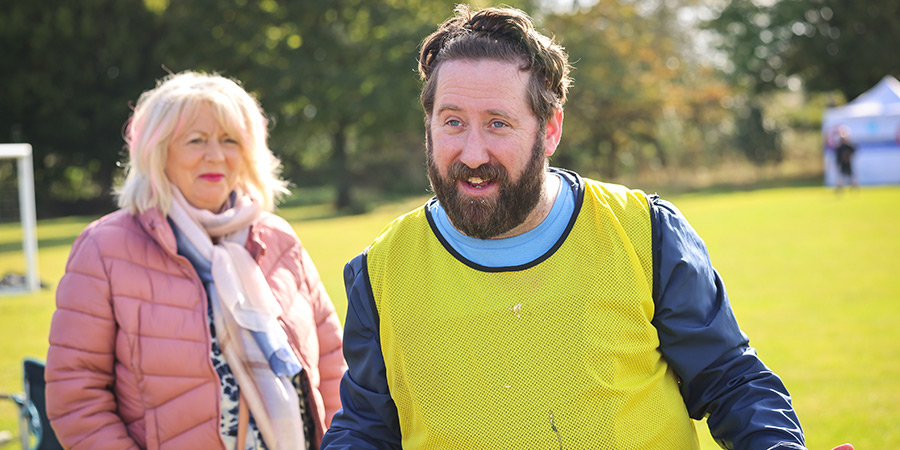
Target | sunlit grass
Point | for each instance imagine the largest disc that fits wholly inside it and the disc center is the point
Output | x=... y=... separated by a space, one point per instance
x=812 y=277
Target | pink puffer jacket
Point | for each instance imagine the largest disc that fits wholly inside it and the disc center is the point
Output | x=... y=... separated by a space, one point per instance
x=129 y=361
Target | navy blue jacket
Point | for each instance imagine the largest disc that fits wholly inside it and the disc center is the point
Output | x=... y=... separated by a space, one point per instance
x=747 y=405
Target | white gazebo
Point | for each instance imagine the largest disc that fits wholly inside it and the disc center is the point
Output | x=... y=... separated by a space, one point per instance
x=874 y=122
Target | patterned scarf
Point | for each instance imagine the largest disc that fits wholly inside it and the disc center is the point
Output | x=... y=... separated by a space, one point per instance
x=246 y=313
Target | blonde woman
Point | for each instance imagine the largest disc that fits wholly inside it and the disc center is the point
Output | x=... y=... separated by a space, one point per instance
x=193 y=317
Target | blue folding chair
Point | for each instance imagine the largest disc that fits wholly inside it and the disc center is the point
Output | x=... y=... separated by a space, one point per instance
x=34 y=427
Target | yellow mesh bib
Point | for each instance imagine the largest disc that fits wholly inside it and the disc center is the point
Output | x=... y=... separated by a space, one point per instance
x=561 y=354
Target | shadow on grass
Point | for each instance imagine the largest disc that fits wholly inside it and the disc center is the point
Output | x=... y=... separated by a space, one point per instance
x=302 y=210
x=298 y=208
x=60 y=232
x=16 y=246
x=317 y=204
x=726 y=187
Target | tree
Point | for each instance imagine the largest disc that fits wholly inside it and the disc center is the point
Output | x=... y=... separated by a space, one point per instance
x=831 y=45
x=759 y=142
x=634 y=72
x=68 y=73
x=338 y=79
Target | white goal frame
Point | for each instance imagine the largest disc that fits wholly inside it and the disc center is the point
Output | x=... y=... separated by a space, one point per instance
x=27 y=214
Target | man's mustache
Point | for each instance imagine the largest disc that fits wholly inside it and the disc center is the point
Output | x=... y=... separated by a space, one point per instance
x=460 y=171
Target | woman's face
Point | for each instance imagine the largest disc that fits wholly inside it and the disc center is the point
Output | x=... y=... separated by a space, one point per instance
x=204 y=161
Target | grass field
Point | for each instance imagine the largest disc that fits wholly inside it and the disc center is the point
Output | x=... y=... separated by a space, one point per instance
x=813 y=278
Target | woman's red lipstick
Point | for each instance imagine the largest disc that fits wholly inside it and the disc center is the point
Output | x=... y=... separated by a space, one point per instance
x=212 y=176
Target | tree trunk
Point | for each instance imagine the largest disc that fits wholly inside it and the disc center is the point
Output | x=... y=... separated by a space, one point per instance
x=612 y=158
x=341 y=170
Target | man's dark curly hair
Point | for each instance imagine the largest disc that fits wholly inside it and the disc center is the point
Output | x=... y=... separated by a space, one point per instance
x=500 y=34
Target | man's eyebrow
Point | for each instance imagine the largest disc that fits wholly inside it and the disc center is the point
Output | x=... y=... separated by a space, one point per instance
x=503 y=114
x=443 y=108
x=493 y=112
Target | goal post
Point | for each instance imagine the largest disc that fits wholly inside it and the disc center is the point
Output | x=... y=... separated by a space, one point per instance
x=27 y=214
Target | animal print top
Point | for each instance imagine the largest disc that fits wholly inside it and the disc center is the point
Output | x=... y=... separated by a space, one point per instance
x=228 y=425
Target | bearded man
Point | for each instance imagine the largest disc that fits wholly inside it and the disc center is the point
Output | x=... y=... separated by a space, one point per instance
x=527 y=307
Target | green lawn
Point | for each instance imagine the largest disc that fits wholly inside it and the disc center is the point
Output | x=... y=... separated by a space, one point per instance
x=812 y=277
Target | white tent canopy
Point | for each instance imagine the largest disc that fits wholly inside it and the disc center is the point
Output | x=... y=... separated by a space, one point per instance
x=874 y=122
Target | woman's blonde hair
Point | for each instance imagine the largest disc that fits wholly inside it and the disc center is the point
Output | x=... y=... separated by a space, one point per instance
x=161 y=111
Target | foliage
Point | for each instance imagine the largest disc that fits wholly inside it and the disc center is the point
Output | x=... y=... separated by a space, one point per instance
x=831 y=45
x=609 y=107
x=640 y=100
x=338 y=81
x=336 y=77
x=68 y=72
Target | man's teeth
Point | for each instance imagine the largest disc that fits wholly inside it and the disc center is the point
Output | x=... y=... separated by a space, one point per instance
x=476 y=180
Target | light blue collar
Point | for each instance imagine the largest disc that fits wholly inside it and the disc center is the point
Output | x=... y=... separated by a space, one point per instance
x=516 y=250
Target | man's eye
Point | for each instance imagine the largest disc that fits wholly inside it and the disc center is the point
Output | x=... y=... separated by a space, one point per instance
x=454 y=123
x=498 y=124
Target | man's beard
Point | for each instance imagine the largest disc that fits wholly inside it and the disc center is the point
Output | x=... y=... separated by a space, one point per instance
x=488 y=217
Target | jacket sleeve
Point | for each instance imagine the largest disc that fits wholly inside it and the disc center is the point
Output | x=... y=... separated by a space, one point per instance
x=328 y=329
x=368 y=419
x=80 y=369
x=746 y=404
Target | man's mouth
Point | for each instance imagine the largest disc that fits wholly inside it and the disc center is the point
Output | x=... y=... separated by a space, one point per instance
x=478 y=182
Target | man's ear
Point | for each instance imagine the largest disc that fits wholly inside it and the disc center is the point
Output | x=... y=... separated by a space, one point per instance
x=553 y=132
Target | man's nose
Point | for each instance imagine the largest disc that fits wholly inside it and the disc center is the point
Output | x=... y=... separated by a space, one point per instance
x=475 y=151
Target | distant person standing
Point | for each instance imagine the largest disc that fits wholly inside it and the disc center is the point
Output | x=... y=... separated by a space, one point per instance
x=844 y=156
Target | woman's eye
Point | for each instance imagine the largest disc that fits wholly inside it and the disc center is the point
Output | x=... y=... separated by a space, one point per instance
x=196 y=141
